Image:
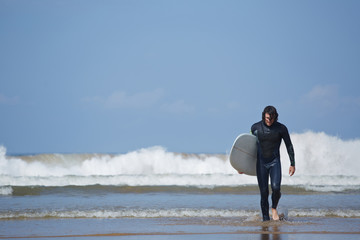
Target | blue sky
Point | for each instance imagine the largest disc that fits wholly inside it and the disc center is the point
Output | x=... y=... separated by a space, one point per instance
x=116 y=76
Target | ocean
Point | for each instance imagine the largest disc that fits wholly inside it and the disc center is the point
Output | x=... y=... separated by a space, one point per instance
x=153 y=193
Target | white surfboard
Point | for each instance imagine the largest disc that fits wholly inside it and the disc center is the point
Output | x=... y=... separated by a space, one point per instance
x=243 y=154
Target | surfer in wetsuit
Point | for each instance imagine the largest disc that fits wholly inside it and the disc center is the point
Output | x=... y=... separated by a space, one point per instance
x=269 y=133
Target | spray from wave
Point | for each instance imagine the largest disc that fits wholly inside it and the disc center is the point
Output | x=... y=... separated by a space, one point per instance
x=154 y=160
x=323 y=162
x=321 y=154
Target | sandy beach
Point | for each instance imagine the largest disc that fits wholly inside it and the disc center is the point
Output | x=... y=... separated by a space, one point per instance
x=224 y=228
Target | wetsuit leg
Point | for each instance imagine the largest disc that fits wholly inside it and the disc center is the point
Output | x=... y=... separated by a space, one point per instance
x=263 y=181
x=275 y=178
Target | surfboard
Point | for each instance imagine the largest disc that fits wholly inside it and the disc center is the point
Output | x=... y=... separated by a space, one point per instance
x=243 y=154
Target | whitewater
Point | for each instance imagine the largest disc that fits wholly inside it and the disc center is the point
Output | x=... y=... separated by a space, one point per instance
x=323 y=163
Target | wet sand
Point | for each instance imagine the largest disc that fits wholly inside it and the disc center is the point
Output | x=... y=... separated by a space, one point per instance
x=175 y=228
x=262 y=234
x=218 y=235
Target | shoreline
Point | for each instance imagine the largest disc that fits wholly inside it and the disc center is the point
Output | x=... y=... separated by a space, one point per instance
x=187 y=233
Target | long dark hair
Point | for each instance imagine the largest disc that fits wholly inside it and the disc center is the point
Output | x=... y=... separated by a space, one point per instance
x=272 y=112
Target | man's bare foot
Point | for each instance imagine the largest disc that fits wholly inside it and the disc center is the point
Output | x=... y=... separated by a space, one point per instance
x=275 y=215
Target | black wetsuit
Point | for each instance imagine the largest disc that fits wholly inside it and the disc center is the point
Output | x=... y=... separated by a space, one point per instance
x=268 y=161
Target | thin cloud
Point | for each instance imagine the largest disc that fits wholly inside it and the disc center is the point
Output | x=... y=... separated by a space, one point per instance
x=178 y=107
x=5 y=100
x=121 y=99
x=323 y=95
x=322 y=99
x=327 y=98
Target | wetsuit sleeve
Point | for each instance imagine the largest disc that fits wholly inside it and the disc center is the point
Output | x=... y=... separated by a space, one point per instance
x=253 y=130
x=289 y=146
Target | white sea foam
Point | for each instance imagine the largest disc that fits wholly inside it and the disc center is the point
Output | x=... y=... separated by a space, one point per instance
x=6 y=191
x=129 y=213
x=323 y=163
x=344 y=213
x=171 y=213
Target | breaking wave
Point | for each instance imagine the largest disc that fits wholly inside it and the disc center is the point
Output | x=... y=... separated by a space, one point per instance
x=323 y=163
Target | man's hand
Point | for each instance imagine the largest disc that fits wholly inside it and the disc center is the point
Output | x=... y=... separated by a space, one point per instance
x=291 y=170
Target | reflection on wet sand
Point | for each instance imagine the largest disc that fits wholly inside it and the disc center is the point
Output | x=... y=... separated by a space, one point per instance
x=270 y=231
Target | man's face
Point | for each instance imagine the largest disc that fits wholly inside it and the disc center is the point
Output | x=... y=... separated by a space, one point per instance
x=268 y=120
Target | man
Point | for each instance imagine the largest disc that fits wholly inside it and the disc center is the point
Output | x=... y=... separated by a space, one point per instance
x=269 y=133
